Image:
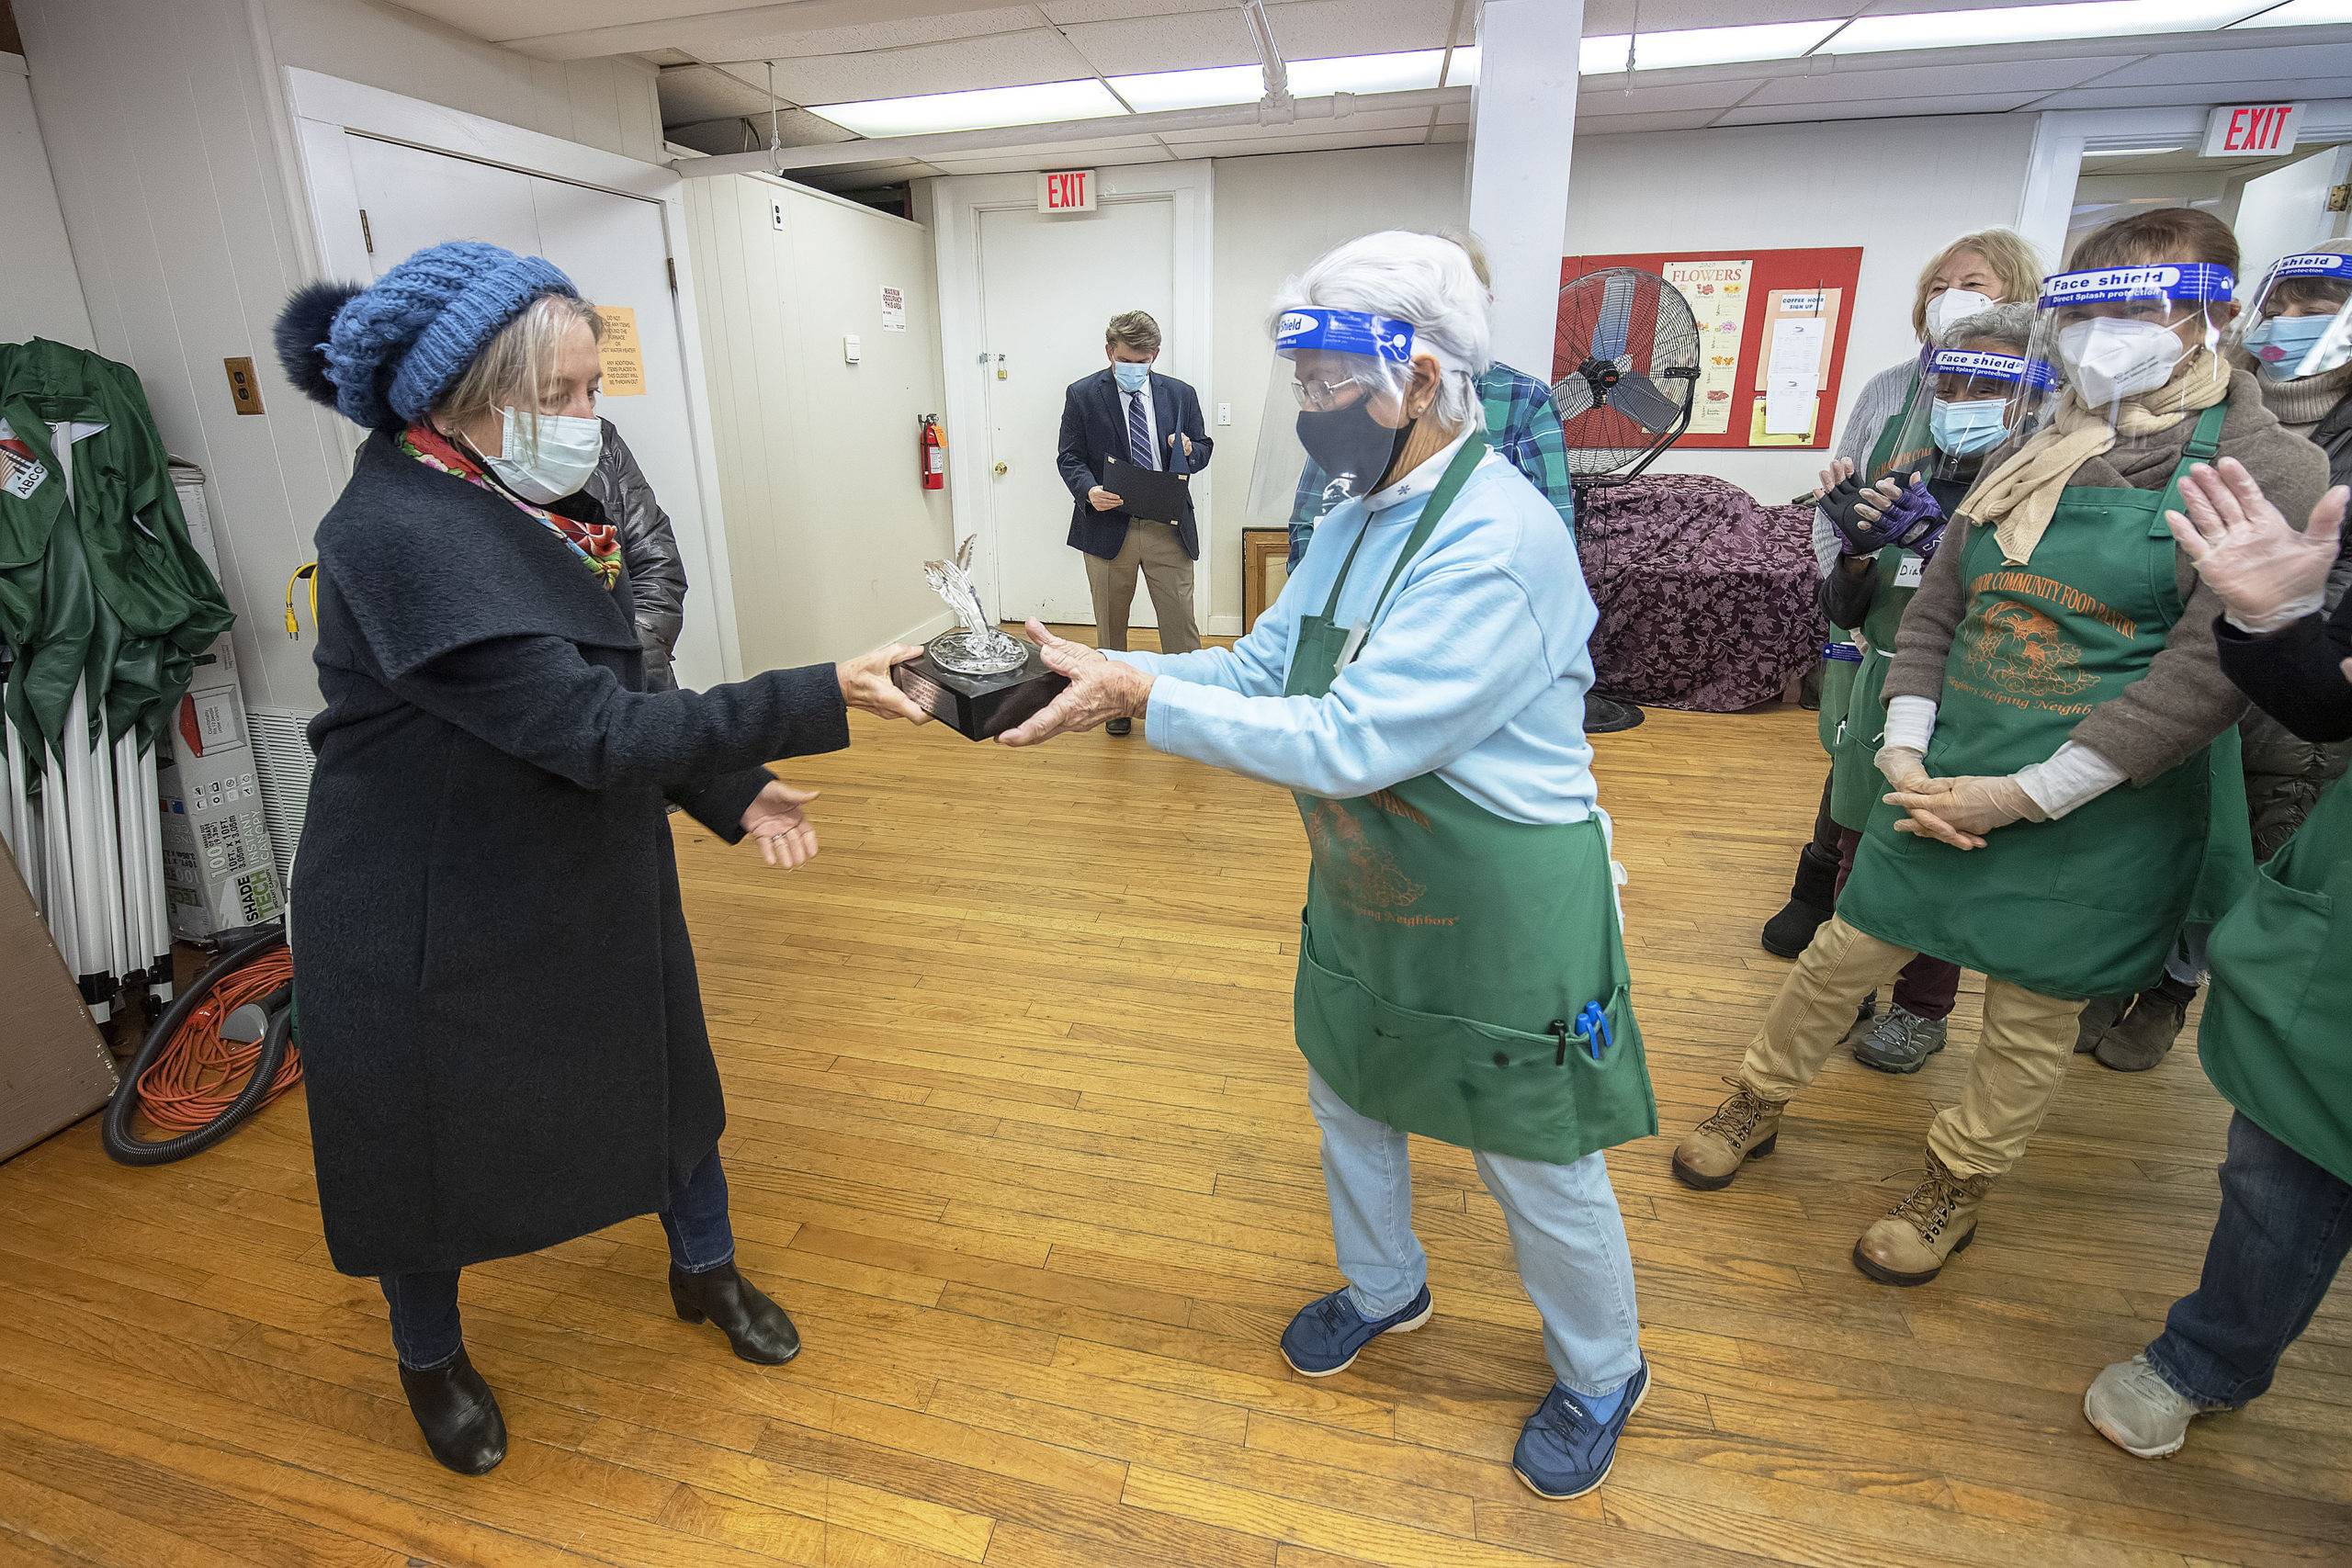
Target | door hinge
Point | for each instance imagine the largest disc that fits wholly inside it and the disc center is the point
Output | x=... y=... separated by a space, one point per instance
x=367 y=234
x=2339 y=198
x=671 y=262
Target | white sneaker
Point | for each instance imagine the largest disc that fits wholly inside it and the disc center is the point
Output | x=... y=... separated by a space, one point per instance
x=2138 y=1411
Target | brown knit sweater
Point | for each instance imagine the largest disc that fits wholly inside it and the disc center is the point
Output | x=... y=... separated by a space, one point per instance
x=2184 y=700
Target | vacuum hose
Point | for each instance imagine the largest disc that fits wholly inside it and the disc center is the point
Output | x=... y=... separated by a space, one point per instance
x=166 y=1040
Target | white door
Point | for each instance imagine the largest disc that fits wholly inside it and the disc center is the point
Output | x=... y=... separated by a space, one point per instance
x=1048 y=286
x=614 y=249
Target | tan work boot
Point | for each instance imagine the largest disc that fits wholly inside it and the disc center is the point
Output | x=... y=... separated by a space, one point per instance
x=1743 y=1128
x=1909 y=1246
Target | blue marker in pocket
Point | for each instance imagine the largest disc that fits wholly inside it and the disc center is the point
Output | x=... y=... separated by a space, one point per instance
x=1593 y=1023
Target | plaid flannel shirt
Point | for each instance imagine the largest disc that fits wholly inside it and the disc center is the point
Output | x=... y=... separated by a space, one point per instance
x=1519 y=425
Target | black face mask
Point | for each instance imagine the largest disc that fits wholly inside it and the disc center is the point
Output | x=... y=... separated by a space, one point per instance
x=1354 y=450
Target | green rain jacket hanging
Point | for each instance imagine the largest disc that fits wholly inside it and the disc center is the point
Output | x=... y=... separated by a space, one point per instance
x=106 y=584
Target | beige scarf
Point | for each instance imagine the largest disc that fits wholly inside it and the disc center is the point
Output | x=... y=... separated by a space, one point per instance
x=2016 y=499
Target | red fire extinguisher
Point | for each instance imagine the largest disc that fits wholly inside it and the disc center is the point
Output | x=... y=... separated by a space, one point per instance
x=935 y=454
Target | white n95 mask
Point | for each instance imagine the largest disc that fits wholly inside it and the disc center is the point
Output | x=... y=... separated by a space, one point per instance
x=1952 y=307
x=2111 y=359
x=568 y=447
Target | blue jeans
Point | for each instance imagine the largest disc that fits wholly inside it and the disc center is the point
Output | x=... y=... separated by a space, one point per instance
x=425 y=1331
x=2286 y=1224
x=1565 y=1234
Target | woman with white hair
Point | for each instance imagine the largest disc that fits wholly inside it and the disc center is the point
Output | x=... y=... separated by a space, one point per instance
x=1420 y=687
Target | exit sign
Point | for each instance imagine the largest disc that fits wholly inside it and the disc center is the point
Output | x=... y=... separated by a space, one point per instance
x=2252 y=131
x=1066 y=190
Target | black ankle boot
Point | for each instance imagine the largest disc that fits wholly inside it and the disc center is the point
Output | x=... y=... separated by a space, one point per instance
x=458 y=1415
x=1811 y=902
x=756 y=1325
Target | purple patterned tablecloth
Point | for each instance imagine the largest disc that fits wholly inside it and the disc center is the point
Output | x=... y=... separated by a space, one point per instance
x=1706 y=596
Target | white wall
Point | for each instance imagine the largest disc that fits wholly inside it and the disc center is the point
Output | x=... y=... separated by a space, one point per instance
x=168 y=134
x=1274 y=215
x=1899 y=189
x=827 y=522
x=40 y=296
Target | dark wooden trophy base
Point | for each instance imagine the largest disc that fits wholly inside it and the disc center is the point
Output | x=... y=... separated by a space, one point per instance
x=980 y=707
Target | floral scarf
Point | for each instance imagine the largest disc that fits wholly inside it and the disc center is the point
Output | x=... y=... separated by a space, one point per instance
x=597 y=545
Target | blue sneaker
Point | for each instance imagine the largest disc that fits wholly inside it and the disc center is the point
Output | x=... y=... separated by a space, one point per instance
x=1564 y=1451
x=1326 y=1335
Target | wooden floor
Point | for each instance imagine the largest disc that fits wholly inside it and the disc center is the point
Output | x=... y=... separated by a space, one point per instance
x=1017 y=1133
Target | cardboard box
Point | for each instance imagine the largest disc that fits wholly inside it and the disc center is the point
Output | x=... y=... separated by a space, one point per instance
x=217 y=870
x=54 y=1068
x=217 y=665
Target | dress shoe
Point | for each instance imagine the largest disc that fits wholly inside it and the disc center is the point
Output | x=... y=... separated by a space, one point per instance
x=459 y=1415
x=756 y=1325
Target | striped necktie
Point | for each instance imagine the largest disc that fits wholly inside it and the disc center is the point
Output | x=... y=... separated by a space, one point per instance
x=1139 y=432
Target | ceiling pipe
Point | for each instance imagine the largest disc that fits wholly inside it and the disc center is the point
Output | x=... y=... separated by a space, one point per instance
x=892 y=149
x=1269 y=54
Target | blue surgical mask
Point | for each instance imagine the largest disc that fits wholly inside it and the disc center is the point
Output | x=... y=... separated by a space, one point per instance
x=1965 y=429
x=2282 y=342
x=1131 y=376
x=568 y=449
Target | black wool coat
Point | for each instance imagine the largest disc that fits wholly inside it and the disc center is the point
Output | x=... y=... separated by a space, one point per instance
x=499 y=1023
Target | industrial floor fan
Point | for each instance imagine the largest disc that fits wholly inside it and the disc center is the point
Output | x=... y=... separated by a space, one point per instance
x=1633 y=351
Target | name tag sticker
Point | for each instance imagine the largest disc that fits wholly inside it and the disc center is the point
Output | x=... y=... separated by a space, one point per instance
x=1909 y=572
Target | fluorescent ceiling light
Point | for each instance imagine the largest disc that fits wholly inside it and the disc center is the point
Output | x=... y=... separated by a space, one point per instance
x=1403 y=72
x=1192 y=89
x=1702 y=46
x=982 y=109
x=1464 y=71
x=2301 y=14
x=2034 y=24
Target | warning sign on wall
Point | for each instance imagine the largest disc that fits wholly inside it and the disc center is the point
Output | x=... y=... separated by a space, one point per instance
x=624 y=360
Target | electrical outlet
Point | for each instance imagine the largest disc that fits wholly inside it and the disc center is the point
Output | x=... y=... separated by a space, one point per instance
x=1225 y=413
x=243 y=390
x=776 y=211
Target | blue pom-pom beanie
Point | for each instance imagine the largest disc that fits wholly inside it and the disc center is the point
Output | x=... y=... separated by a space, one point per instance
x=397 y=347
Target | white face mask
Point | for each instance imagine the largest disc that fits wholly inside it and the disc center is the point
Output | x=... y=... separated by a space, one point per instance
x=568 y=447
x=2111 y=359
x=1952 y=307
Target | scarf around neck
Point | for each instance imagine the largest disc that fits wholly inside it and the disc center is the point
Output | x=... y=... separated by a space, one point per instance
x=597 y=545
x=2018 y=499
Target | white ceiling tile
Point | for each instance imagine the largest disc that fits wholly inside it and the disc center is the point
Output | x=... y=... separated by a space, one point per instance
x=2099 y=95
x=1630 y=124
x=1067 y=12
x=2255 y=67
x=1933 y=81
x=1883 y=109
x=1605 y=16
x=1001 y=60
x=1450 y=134
x=1318 y=30
x=1260 y=143
x=1188 y=42
x=944 y=29
x=1392 y=120
x=1602 y=98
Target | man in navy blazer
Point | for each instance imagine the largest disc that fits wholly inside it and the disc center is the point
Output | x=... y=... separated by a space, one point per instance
x=1151 y=420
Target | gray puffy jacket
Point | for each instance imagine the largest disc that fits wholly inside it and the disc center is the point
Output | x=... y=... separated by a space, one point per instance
x=656 y=579
x=2285 y=774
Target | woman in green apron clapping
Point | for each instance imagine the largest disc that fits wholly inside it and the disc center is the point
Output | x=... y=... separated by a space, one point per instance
x=2276 y=1039
x=2060 y=647
x=1419 y=687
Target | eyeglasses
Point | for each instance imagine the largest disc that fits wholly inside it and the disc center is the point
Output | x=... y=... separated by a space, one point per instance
x=1320 y=395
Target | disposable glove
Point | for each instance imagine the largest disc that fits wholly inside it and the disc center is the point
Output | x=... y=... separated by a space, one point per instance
x=2269 y=574
x=1959 y=811
x=1905 y=766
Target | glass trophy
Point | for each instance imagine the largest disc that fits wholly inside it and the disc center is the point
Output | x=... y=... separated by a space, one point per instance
x=979 y=681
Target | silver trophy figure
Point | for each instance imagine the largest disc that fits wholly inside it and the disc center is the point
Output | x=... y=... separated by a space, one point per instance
x=977 y=648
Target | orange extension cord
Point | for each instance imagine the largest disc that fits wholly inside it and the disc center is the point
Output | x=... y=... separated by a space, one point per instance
x=199 y=1074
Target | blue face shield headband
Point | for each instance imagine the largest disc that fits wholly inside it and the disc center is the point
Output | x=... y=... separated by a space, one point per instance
x=1344 y=331
x=2107 y=285
x=1343 y=440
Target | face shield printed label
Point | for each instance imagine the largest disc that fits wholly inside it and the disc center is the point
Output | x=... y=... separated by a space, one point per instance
x=1344 y=331
x=2191 y=280
x=1986 y=366
x=2318 y=264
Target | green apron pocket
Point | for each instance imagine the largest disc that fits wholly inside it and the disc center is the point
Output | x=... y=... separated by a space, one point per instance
x=1472 y=1084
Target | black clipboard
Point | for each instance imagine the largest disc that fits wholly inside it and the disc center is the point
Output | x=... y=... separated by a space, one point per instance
x=1152 y=495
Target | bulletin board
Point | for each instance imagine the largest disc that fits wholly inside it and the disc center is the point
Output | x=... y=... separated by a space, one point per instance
x=1741 y=298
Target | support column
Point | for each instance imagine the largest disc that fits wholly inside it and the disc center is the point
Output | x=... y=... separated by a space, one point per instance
x=1521 y=127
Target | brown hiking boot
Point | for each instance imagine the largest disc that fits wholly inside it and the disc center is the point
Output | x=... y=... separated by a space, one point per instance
x=1909 y=1246
x=1743 y=1128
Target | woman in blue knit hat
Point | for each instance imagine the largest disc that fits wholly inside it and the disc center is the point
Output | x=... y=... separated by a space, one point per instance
x=501 y=1025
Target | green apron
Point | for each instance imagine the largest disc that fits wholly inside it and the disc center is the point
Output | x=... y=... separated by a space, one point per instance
x=2277 y=1040
x=2088 y=905
x=1855 y=784
x=1836 y=686
x=1449 y=959
x=1837 y=675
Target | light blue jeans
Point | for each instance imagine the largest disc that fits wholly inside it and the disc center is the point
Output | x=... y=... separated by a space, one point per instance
x=1566 y=1233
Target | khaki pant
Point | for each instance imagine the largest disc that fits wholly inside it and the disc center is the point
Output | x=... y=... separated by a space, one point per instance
x=1153 y=549
x=2027 y=1043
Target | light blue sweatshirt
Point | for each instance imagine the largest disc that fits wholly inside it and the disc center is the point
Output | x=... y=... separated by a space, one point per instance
x=1476 y=670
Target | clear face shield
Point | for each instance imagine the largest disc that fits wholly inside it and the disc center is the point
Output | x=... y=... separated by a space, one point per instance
x=1972 y=402
x=2115 y=334
x=1336 y=411
x=2300 y=321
